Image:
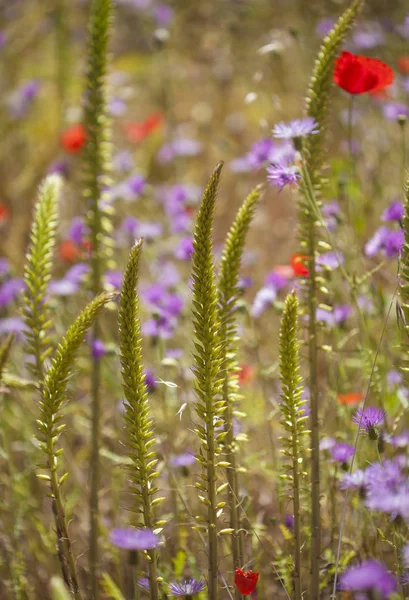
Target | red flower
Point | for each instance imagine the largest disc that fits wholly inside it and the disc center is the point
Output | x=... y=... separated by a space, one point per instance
x=73 y=138
x=246 y=374
x=245 y=582
x=298 y=265
x=68 y=251
x=359 y=74
x=403 y=64
x=351 y=398
x=4 y=213
x=137 y=132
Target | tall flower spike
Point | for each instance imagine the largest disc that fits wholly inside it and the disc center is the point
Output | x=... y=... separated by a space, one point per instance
x=5 y=350
x=96 y=160
x=140 y=437
x=228 y=296
x=37 y=274
x=313 y=153
x=293 y=421
x=50 y=426
x=207 y=365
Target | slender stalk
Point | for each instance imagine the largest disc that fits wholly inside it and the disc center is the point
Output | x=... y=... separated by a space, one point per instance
x=402 y=123
x=95 y=469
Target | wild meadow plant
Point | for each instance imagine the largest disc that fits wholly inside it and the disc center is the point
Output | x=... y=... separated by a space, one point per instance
x=161 y=431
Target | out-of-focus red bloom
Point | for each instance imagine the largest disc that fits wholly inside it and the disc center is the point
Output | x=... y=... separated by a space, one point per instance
x=284 y=270
x=246 y=374
x=403 y=64
x=137 y=132
x=245 y=582
x=358 y=74
x=350 y=398
x=4 y=213
x=68 y=251
x=298 y=265
x=73 y=138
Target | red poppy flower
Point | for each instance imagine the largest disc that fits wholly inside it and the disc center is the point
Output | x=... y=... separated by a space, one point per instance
x=68 y=251
x=403 y=64
x=350 y=398
x=358 y=74
x=4 y=213
x=73 y=138
x=246 y=374
x=137 y=132
x=298 y=265
x=245 y=582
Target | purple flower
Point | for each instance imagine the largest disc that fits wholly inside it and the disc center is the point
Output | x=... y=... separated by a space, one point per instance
x=369 y=35
x=12 y=325
x=377 y=241
x=21 y=99
x=178 y=147
x=122 y=161
x=324 y=26
x=161 y=327
x=326 y=443
x=394 y=110
x=295 y=129
x=77 y=230
x=190 y=587
x=98 y=349
x=150 y=380
x=117 y=107
x=368 y=420
x=331 y=212
x=341 y=312
x=60 y=167
x=331 y=260
x=185 y=459
x=264 y=298
x=77 y=272
x=405 y=556
x=394 y=242
x=275 y=281
x=114 y=278
x=394 y=377
x=356 y=480
x=163 y=15
x=289 y=522
x=136 y=185
x=370 y=575
x=400 y=440
x=134 y=539
x=341 y=452
x=184 y=249
x=394 y=212
x=62 y=287
x=281 y=175
x=10 y=290
x=4 y=266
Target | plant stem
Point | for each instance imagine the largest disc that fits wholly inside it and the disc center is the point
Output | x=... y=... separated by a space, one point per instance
x=148 y=522
x=212 y=510
x=297 y=521
x=95 y=469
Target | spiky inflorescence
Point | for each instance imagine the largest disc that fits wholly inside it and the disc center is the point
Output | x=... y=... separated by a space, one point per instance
x=317 y=102
x=96 y=154
x=37 y=274
x=293 y=420
x=404 y=286
x=228 y=295
x=313 y=158
x=5 y=350
x=138 y=424
x=208 y=361
x=50 y=426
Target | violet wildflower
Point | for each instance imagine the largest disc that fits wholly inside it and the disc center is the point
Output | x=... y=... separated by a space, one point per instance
x=393 y=111
x=405 y=556
x=368 y=420
x=368 y=35
x=184 y=249
x=289 y=522
x=10 y=290
x=394 y=242
x=341 y=452
x=184 y=460
x=296 y=129
x=22 y=98
x=331 y=212
x=136 y=185
x=370 y=575
x=98 y=349
x=134 y=539
x=77 y=230
x=12 y=325
x=377 y=241
x=264 y=298
x=281 y=175
x=164 y=15
x=122 y=161
x=324 y=26
x=62 y=287
x=161 y=327
x=331 y=260
x=150 y=380
x=143 y=583
x=357 y=480
x=114 y=278
x=188 y=588
x=394 y=212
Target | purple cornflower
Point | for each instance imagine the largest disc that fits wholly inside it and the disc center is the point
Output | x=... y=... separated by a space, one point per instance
x=12 y=325
x=341 y=452
x=134 y=539
x=394 y=242
x=289 y=522
x=331 y=212
x=178 y=147
x=377 y=241
x=369 y=35
x=62 y=287
x=393 y=111
x=190 y=587
x=368 y=420
x=136 y=185
x=324 y=26
x=77 y=272
x=98 y=349
x=185 y=459
x=150 y=380
x=281 y=175
x=275 y=280
x=264 y=298
x=370 y=575
x=356 y=480
x=400 y=440
x=394 y=212
x=161 y=327
x=331 y=260
x=10 y=290
x=77 y=230
x=184 y=249
x=114 y=278
x=295 y=129
x=394 y=377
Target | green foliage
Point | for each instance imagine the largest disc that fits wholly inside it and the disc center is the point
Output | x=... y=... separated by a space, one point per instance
x=403 y=309
x=96 y=155
x=317 y=104
x=228 y=295
x=291 y=406
x=57 y=377
x=37 y=274
x=110 y=589
x=140 y=436
x=5 y=349
x=207 y=367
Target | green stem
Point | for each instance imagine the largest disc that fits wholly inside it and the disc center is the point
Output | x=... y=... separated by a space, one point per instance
x=148 y=522
x=297 y=519
x=95 y=470
x=402 y=123
x=212 y=509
